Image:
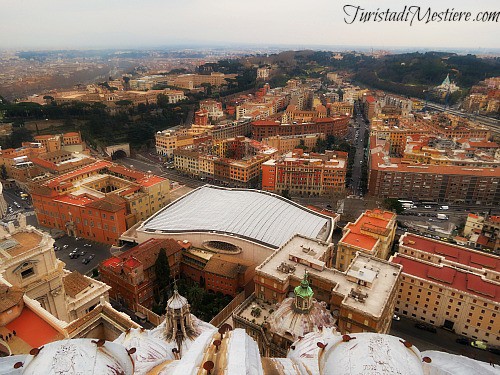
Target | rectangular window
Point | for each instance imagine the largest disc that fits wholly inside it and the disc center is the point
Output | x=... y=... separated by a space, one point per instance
x=27 y=273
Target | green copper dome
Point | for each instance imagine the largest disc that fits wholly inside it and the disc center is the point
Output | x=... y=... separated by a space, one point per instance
x=304 y=290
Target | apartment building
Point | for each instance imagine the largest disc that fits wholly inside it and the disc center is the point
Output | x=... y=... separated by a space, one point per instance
x=289 y=143
x=449 y=286
x=372 y=233
x=340 y=109
x=328 y=126
x=389 y=177
x=306 y=174
x=167 y=141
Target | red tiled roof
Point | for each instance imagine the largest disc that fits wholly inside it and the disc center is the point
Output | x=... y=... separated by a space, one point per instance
x=370 y=99
x=44 y=163
x=145 y=253
x=89 y=168
x=360 y=240
x=377 y=163
x=450 y=277
x=453 y=253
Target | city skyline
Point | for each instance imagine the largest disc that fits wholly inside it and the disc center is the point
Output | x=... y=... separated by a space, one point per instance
x=154 y=24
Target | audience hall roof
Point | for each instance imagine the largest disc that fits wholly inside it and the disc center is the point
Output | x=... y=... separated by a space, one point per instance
x=255 y=215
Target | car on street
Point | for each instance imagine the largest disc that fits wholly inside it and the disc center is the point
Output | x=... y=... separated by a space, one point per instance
x=87 y=245
x=427 y=207
x=396 y=317
x=463 y=341
x=91 y=256
x=83 y=252
x=86 y=260
x=65 y=246
x=426 y=327
x=479 y=345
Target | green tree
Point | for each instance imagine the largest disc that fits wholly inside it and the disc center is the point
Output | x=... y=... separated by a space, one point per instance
x=3 y=172
x=162 y=101
x=20 y=135
x=195 y=295
x=393 y=205
x=162 y=270
x=302 y=145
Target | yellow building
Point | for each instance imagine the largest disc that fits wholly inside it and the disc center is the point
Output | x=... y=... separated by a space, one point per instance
x=167 y=141
x=373 y=233
x=289 y=143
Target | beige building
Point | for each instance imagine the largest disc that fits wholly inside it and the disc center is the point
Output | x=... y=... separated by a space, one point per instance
x=372 y=233
x=168 y=141
x=29 y=262
x=473 y=224
x=361 y=299
x=450 y=287
x=289 y=143
x=341 y=109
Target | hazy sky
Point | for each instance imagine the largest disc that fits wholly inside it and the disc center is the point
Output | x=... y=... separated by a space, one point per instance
x=153 y=23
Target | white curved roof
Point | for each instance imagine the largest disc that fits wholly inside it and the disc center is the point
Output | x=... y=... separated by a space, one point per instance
x=252 y=214
x=370 y=353
x=79 y=356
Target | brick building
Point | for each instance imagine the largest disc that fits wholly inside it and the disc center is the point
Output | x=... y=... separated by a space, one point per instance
x=329 y=126
x=132 y=276
x=390 y=178
x=98 y=201
x=362 y=298
x=310 y=174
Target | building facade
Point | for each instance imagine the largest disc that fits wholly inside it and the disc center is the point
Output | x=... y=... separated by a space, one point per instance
x=132 y=275
x=373 y=233
x=449 y=286
x=306 y=174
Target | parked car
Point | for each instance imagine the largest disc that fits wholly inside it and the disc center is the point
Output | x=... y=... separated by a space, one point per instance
x=65 y=246
x=463 y=340
x=479 y=345
x=85 y=260
x=428 y=207
x=425 y=327
x=396 y=317
x=74 y=255
x=83 y=252
x=91 y=256
x=494 y=350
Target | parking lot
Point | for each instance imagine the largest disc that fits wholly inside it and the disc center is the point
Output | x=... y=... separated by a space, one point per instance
x=68 y=244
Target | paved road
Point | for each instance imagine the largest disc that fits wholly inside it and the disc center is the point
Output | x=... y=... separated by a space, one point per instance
x=359 y=158
x=443 y=340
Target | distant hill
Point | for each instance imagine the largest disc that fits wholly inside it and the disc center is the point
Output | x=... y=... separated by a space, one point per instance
x=408 y=73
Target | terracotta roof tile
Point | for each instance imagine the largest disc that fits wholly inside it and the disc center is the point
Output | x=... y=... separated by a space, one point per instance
x=75 y=283
x=9 y=297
